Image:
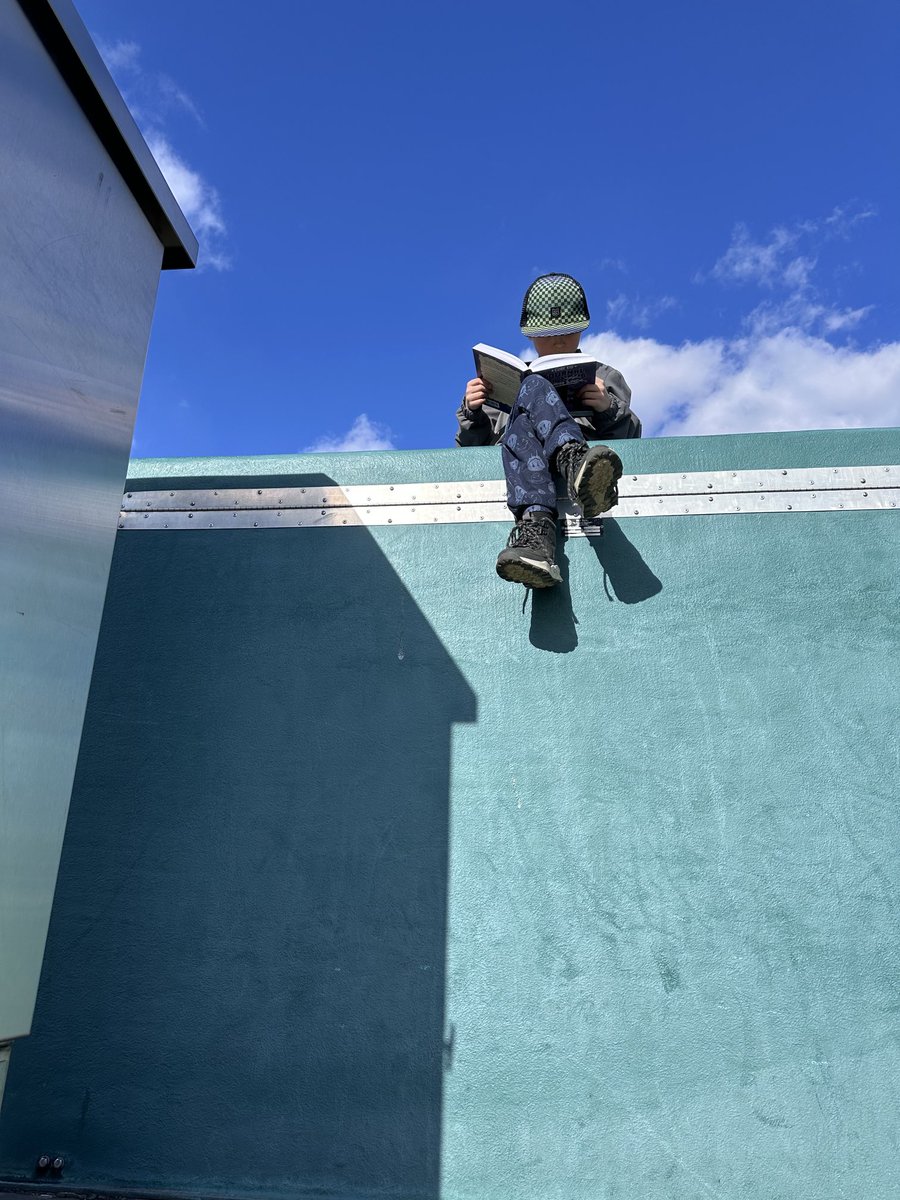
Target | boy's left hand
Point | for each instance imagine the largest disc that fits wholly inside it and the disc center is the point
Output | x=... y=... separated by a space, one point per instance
x=594 y=395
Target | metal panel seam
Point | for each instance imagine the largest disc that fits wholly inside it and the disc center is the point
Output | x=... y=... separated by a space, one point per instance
x=821 y=489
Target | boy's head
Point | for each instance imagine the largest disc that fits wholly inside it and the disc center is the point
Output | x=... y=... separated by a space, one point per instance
x=554 y=314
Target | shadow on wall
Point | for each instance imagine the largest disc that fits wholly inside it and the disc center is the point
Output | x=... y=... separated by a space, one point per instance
x=244 y=980
x=625 y=577
x=624 y=570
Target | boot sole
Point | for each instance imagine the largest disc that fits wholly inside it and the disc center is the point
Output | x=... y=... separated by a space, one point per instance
x=529 y=571
x=595 y=483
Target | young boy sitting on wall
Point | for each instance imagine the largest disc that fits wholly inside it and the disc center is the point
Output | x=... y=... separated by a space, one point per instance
x=540 y=436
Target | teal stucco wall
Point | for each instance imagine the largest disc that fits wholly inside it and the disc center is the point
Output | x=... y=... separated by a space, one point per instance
x=376 y=885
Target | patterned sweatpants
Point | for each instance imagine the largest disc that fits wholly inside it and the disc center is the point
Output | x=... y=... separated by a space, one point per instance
x=538 y=425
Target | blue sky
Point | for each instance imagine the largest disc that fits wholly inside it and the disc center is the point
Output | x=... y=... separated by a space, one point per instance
x=375 y=186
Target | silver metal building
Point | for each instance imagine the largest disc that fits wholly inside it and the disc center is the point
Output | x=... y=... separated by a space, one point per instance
x=86 y=224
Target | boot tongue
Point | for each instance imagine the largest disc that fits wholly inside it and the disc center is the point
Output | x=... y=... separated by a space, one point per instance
x=539 y=515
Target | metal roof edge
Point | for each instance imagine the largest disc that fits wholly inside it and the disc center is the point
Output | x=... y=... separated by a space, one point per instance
x=67 y=41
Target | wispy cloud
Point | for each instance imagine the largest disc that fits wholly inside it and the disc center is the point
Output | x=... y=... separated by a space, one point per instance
x=801 y=311
x=121 y=57
x=636 y=310
x=363 y=434
x=199 y=201
x=842 y=220
x=765 y=263
x=155 y=99
x=152 y=96
x=784 y=266
x=792 y=364
x=788 y=255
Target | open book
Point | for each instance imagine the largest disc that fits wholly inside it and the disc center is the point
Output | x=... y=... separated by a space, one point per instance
x=504 y=372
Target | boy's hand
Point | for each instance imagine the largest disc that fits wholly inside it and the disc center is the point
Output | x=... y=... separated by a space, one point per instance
x=477 y=391
x=594 y=395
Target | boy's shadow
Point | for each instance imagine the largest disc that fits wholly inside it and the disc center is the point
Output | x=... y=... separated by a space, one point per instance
x=553 y=621
x=631 y=579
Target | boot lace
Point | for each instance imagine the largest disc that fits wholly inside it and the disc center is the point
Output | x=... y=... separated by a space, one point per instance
x=530 y=534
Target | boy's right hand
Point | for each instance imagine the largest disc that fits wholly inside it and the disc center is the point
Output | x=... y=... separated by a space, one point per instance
x=477 y=391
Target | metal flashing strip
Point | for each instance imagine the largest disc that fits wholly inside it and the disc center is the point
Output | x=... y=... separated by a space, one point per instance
x=67 y=41
x=699 y=493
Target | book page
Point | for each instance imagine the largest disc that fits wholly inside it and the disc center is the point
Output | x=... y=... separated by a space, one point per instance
x=504 y=378
x=570 y=370
x=568 y=373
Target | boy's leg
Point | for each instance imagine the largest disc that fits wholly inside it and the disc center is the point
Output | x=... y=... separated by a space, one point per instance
x=538 y=425
x=541 y=435
x=529 y=556
x=591 y=475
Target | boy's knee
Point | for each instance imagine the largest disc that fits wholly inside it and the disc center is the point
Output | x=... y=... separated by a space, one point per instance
x=536 y=390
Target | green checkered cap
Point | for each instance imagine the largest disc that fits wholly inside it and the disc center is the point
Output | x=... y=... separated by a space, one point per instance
x=554 y=304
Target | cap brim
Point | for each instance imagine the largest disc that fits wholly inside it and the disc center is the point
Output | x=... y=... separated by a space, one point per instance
x=553 y=330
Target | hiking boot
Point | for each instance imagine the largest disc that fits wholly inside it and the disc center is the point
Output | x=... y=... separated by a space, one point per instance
x=530 y=554
x=590 y=474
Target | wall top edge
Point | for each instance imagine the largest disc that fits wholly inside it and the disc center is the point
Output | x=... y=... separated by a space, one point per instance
x=722 y=452
x=78 y=61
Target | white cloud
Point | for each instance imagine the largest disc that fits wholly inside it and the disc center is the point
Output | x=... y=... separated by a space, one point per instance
x=791 y=365
x=199 y=201
x=363 y=434
x=795 y=360
x=152 y=98
x=120 y=57
x=790 y=379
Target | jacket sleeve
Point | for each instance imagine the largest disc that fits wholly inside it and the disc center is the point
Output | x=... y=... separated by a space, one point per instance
x=475 y=428
x=618 y=421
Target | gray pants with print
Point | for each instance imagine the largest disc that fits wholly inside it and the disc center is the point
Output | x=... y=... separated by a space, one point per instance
x=538 y=425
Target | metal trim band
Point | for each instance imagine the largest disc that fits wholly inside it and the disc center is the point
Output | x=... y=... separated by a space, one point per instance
x=701 y=493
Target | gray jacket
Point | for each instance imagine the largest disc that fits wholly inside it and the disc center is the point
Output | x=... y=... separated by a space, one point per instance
x=483 y=428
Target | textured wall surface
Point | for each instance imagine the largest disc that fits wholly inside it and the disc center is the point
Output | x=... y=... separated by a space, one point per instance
x=375 y=885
